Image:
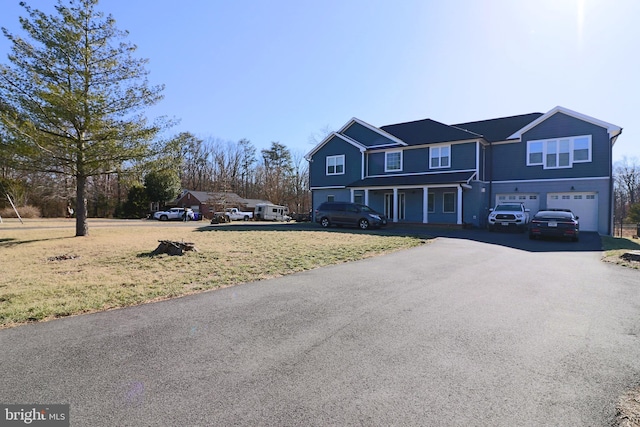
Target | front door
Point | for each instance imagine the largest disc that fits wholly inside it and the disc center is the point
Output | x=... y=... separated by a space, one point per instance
x=388 y=205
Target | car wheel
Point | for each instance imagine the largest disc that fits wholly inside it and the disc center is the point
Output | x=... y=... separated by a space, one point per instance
x=324 y=222
x=164 y=218
x=246 y=217
x=363 y=224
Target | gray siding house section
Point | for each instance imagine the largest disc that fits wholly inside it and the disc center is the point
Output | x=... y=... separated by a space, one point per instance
x=477 y=163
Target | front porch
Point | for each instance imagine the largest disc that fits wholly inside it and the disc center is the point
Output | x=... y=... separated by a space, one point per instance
x=440 y=204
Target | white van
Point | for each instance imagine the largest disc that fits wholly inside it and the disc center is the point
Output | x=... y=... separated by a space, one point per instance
x=266 y=212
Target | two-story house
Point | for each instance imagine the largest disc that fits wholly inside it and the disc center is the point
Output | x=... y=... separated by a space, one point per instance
x=429 y=172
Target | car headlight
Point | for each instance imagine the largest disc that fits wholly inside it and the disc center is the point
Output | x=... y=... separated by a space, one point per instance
x=375 y=216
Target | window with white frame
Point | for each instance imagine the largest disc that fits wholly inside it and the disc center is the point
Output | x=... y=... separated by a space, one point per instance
x=559 y=153
x=440 y=157
x=449 y=202
x=393 y=161
x=335 y=165
x=582 y=149
x=534 y=155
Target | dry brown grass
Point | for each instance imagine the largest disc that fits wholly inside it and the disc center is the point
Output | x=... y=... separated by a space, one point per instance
x=47 y=273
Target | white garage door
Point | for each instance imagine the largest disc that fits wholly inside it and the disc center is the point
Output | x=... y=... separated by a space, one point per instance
x=530 y=201
x=584 y=205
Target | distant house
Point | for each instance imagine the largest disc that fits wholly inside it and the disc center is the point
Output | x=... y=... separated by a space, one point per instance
x=430 y=172
x=251 y=203
x=207 y=202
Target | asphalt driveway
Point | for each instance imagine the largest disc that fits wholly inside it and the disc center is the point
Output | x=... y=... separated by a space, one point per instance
x=469 y=330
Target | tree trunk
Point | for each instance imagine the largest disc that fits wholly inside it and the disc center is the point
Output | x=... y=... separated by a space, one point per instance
x=82 y=228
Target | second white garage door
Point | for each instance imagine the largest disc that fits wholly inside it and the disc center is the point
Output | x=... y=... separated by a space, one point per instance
x=584 y=205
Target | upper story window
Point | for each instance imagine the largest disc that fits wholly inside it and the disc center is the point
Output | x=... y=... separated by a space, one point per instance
x=393 y=161
x=335 y=165
x=440 y=157
x=559 y=153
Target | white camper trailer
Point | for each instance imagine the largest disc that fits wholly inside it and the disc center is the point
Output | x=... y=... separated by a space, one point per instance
x=266 y=212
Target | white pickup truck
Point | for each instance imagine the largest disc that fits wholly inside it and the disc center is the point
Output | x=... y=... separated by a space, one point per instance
x=507 y=215
x=235 y=214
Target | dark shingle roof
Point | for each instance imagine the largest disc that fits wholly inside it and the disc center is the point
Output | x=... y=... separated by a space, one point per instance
x=427 y=131
x=499 y=129
x=425 y=179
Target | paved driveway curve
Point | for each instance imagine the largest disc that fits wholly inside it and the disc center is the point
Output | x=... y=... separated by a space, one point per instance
x=455 y=333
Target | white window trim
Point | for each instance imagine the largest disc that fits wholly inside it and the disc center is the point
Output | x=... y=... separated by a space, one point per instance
x=571 y=150
x=386 y=155
x=340 y=156
x=439 y=157
x=590 y=147
x=444 y=205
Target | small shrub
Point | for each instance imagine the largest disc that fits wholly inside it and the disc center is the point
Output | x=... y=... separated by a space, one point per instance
x=24 y=211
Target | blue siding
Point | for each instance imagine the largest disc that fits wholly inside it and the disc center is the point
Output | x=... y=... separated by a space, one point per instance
x=439 y=216
x=353 y=164
x=463 y=156
x=366 y=136
x=375 y=163
x=510 y=160
x=416 y=160
x=475 y=204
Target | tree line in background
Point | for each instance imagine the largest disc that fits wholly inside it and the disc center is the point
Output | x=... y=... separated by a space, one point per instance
x=212 y=165
x=185 y=162
x=626 y=191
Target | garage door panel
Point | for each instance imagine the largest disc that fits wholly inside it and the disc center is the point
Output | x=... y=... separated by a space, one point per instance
x=530 y=201
x=582 y=204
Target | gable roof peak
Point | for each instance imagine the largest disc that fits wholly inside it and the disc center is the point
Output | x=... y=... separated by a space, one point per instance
x=612 y=129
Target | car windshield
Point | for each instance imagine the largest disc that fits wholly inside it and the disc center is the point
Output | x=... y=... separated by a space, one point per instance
x=508 y=208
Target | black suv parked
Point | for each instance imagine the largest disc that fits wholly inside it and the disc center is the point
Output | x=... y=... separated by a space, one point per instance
x=346 y=213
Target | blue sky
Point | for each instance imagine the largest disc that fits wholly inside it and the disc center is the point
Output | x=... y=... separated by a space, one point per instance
x=285 y=70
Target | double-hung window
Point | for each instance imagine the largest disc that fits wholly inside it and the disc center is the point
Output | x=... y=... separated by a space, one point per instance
x=440 y=157
x=393 y=161
x=449 y=202
x=559 y=153
x=582 y=149
x=335 y=165
x=534 y=155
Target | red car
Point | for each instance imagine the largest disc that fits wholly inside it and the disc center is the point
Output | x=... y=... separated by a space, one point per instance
x=555 y=223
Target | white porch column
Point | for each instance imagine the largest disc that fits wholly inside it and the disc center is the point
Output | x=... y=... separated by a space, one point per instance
x=425 y=205
x=352 y=194
x=366 y=196
x=395 y=205
x=459 y=210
